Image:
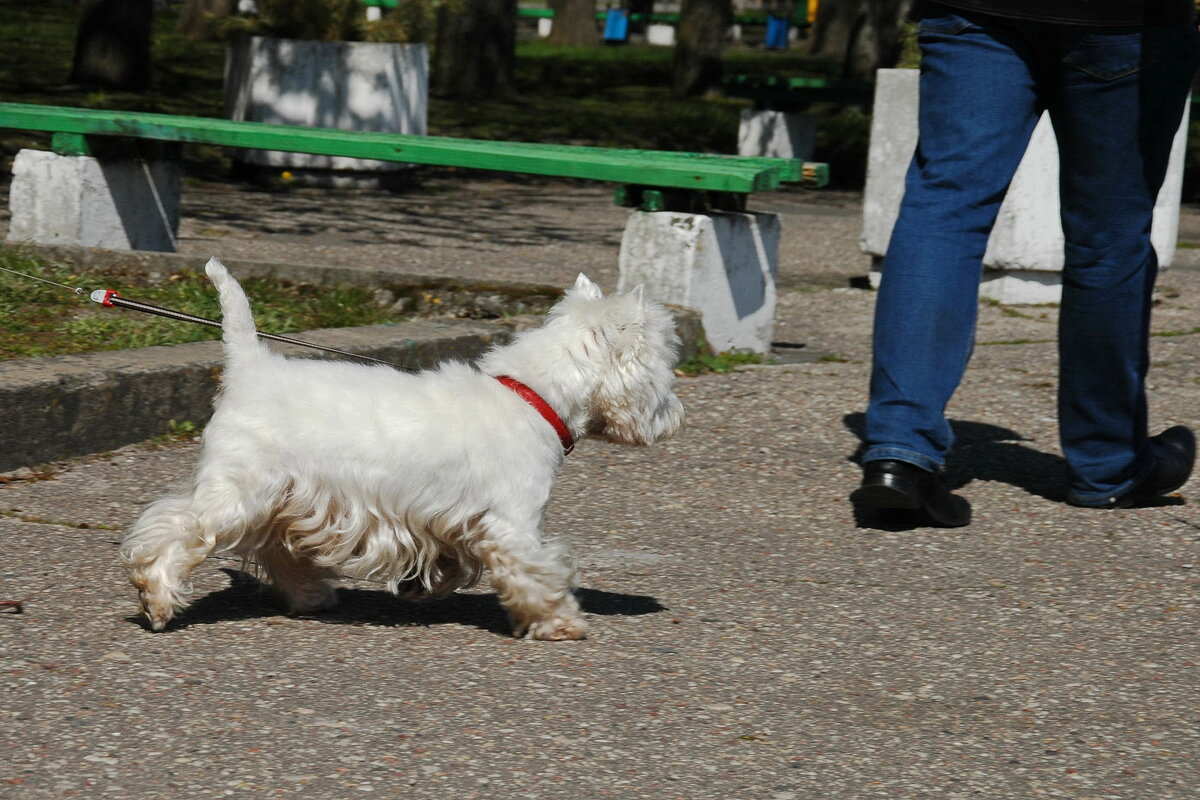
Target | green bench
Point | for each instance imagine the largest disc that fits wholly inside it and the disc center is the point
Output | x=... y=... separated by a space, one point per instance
x=647 y=179
x=708 y=252
x=777 y=125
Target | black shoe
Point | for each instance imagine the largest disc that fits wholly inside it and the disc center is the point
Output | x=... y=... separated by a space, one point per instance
x=1174 y=454
x=889 y=484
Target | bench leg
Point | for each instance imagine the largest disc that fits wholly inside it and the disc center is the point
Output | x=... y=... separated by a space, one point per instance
x=117 y=204
x=723 y=264
x=777 y=134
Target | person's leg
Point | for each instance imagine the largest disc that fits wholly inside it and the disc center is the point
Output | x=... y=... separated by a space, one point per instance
x=978 y=107
x=1120 y=100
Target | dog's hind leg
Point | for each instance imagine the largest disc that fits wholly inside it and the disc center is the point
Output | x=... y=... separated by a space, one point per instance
x=173 y=535
x=535 y=587
x=305 y=587
x=160 y=552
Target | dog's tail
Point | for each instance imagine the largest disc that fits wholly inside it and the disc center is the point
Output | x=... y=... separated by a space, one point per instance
x=240 y=335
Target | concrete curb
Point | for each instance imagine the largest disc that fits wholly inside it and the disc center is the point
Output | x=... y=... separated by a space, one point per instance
x=75 y=405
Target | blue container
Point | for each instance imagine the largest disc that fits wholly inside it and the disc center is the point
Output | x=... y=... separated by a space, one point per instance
x=777 y=32
x=616 y=25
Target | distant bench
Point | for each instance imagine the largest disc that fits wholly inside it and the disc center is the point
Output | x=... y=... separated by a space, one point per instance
x=777 y=125
x=113 y=180
x=661 y=26
x=783 y=93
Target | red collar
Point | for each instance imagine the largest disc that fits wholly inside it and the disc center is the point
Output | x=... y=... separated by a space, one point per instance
x=543 y=408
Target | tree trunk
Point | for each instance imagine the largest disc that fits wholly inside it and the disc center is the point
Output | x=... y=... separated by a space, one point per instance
x=475 y=53
x=703 y=25
x=887 y=19
x=644 y=8
x=861 y=36
x=837 y=24
x=199 y=18
x=574 y=23
x=112 y=44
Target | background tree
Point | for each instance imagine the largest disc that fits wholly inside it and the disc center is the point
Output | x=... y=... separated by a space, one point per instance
x=574 y=23
x=475 y=52
x=703 y=26
x=860 y=36
x=198 y=19
x=112 y=44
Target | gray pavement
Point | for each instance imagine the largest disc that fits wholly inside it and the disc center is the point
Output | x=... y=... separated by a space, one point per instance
x=754 y=635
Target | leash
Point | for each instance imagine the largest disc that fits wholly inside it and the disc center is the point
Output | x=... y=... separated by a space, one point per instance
x=110 y=298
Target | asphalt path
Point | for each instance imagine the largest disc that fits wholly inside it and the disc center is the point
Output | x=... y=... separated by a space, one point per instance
x=753 y=633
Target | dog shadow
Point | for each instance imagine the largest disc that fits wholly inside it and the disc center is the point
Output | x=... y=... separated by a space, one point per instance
x=247 y=597
x=981 y=452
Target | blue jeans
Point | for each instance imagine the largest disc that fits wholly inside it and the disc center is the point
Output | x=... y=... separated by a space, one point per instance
x=1115 y=98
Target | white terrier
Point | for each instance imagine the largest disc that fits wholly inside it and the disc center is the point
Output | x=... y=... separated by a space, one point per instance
x=314 y=468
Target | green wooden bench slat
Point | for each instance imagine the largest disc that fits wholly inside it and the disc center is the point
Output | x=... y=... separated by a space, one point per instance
x=791 y=170
x=645 y=167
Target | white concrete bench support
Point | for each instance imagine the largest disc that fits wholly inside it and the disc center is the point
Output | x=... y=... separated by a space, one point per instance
x=364 y=86
x=660 y=35
x=1024 y=259
x=777 y=134
x=117 y=204
x=723 y=264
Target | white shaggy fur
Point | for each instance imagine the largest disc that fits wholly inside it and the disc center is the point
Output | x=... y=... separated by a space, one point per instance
x=315 y=468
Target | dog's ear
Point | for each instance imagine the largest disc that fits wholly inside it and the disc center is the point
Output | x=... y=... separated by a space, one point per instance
x=638 y=293
x=586 y=289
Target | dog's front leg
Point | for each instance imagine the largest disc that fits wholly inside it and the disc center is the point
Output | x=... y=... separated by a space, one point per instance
x=534 y=582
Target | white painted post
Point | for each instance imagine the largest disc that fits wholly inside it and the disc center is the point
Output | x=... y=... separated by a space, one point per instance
x=723 y=264
x=1024 y=258
x=117 y=204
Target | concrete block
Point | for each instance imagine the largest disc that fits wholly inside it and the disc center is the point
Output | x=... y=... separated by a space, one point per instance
x=1027 y=238
x=361 y=86
x=722 y=264
x=119 y=204
x=545 y=25
x=893 y=141
x=777 y=134
x=660 y=35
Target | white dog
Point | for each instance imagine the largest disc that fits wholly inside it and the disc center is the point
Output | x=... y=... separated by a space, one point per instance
x=314 y=468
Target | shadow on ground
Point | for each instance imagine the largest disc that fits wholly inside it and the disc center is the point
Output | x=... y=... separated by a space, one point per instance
x=247 y=597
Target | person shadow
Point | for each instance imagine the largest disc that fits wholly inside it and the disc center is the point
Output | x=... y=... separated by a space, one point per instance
x=981 y=452
x=247 y=597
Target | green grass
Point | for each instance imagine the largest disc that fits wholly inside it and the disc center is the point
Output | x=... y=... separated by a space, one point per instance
x=720 y=362
x=37 y=319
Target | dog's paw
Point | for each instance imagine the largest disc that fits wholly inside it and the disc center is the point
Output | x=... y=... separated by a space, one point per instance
x=557 y=629
x=157 y=612
x=312 y=599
